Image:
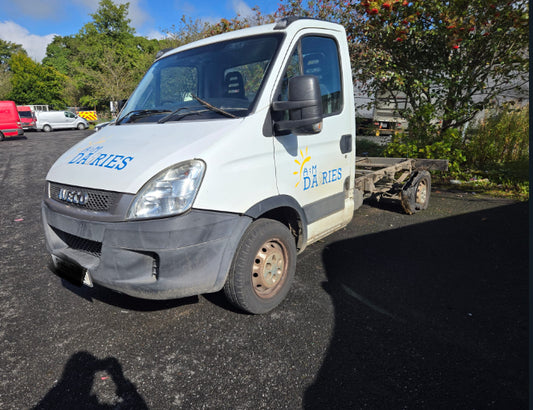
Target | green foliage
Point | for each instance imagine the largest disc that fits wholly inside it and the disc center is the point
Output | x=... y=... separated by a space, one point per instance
x=449 y=146
x=366 y=148
x=110 y=20
x=104 y=60
x=7 y=50
x=502 y=138
x=33 y=83
x=450 y=59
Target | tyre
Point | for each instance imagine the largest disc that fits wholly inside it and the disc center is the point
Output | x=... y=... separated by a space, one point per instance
x=47 y=128
x=1 y=137
x=263 y=267
x=416 y=192
x=81 y=126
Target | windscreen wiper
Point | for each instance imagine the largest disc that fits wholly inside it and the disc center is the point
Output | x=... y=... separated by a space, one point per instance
x=139 y=113
x=173 y=114
x=212 y=107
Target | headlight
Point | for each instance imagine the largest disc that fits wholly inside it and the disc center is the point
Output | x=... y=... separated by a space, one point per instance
x=170 y=192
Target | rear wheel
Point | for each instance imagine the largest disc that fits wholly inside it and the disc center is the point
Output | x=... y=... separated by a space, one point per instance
x=47 y=128
x=1 y=136
x=416 y=192
x=263 y=267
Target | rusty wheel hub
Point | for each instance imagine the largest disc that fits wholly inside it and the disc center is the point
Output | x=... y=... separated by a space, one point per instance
x=269 y=269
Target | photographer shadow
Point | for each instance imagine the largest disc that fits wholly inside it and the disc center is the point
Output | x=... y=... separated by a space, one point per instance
x=75 y=389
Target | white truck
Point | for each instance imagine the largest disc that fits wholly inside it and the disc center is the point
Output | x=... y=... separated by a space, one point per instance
x=232 y=155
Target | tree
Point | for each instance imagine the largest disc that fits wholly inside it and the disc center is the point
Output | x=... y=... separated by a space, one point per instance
x=189 y=30
x=104 y=60
x=33 y=83
x=111 y=20
x=7 y=49
x=450 y=58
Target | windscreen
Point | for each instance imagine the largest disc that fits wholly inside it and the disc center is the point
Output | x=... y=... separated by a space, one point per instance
x=25 y=114
x=220 y=80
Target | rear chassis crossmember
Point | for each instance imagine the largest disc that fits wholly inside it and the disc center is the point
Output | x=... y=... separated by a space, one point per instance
x=385 y=177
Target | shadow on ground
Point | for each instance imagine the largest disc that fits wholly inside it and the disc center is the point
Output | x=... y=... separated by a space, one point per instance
x=123 y=301
x=448 y=302
x=76 y=389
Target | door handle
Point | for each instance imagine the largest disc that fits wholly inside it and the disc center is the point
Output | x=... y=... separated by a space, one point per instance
x=346 y=143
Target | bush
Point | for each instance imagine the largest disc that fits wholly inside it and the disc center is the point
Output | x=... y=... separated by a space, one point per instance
x=502 y=138
x=366 y=148
x=449 y=146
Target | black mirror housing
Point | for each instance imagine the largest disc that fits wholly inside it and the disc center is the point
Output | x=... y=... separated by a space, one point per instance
x=304 y=106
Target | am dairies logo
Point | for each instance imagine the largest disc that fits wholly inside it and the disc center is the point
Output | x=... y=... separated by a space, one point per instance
x=309 y=175
x=93 y=155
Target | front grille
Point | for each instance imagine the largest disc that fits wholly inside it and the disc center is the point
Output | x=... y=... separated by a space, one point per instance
x=101 y=201
x=80 y=244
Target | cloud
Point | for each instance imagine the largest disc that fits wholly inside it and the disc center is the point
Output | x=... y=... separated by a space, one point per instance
x=156 y=34
x=36 y=9
x=241 y=8
x=185 y=7
x=34 y=45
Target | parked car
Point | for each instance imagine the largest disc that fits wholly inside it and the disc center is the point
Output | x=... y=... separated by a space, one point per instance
x=27 y=117
x=10 y=124
x=52 y=120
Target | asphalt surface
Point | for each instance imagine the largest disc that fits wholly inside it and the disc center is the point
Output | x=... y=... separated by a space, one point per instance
x=428 y=311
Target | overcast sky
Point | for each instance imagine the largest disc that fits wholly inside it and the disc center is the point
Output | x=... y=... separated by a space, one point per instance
x=34 y=23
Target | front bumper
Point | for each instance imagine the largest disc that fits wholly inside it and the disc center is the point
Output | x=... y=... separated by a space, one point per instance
x=16 y=132
x=165 y=258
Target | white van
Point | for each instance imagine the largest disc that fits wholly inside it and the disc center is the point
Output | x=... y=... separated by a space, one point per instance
x=55 y=120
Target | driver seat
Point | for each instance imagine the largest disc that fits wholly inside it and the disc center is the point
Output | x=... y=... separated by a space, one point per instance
x=234 y=85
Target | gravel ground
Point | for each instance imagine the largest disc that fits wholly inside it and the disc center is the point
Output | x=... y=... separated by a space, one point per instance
x=394 y=311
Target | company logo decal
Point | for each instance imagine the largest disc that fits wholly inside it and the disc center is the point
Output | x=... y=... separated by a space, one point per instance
x=94 y=156
x=309 y=173
x=74 y=197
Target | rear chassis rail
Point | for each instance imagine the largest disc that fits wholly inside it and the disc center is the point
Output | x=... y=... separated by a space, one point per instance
x=386 y=177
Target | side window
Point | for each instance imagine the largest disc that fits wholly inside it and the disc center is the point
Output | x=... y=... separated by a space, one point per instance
x=321 y=58
x=317 y=56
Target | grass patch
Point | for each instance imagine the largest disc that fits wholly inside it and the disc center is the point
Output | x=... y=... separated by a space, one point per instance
x=507 y=180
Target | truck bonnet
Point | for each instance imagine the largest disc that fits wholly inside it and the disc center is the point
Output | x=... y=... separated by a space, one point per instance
x=124 y=158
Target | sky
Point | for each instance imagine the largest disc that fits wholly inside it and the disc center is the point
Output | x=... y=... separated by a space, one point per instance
x=34 y=23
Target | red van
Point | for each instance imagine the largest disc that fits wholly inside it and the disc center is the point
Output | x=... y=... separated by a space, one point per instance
x=10 y=124
x=27 y=117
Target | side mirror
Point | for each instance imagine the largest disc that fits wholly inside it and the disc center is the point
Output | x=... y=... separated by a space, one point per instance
x=304 y=106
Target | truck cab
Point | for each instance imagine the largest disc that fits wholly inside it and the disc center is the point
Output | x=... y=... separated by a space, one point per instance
x=232 y=155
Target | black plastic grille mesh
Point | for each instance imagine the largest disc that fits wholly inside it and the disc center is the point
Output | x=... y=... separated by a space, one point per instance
x=80 y=244
x=97 y=200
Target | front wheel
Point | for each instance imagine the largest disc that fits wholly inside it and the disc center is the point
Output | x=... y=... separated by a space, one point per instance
x=263 y=267
x=1 y=136
x=81 y=126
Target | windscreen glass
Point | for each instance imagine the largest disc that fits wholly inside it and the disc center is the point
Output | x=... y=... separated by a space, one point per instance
x=220 y=80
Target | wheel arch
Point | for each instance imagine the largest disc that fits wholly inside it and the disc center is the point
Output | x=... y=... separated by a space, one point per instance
x=284 y=209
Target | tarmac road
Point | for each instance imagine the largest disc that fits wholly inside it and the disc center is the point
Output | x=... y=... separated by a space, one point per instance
x=426 y=311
